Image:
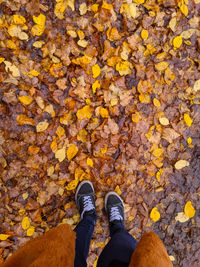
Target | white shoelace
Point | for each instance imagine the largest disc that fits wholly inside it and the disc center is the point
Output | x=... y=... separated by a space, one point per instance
x=87 y=205
x=115 y=214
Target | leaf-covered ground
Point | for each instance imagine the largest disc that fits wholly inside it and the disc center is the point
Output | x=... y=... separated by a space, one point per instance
x=106 y=91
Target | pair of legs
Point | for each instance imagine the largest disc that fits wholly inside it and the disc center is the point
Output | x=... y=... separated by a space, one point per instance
x=119 y=249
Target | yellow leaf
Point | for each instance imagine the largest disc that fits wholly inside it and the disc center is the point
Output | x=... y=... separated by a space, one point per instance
x=84 y=113
x=38 y=44
x=18 y=19
x=21 y=212
x=72 y=33
x=30 y=231
x=3 y=237
x=42 y=126
x=103 y=149
x=144 y=34
x=177 y=41
x=82 y=43
x=60 y=191
x=114 y=101
x=161 y=66
x=113 y=34
x=103 y=112
x=158 y=174
x=14 y=30
x=164 y=121
x=23 y=36
x=172 y=258
x=2 y=59
x=10 y=44
x=158 y=152
x=72 y=185
x=34 y=73
x=25 y=196
x=82 y=135
x=135 y=117
x=184 y=9
x=25 y=223
x=181 y=217
x=156 y=102
x=189 y=140
x=95 y=85
x=72 y=151
x=94 y=7
x=107 y=6
x=155 y=215
x=60 y=131
x=81 y=34
x=144 y=98
x=12 y=68
x=172 y=24
x=133 y=10
x=197 y=85
x=83 y=9
x=117 y=190
x=26 y=99
x=124 y=67
x=60 y=154
x=40 y=19
x=181 y=164
x=24 y=120
x=189 y=209
x=90 y=162
x=139 y=1
x=50 y=170
x=188 y=120
x=96 y=70
x=49 y=109
x=59 y=9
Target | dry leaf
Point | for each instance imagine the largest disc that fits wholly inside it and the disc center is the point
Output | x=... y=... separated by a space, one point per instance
x=155 y=215
x=42 y=126
x=181 y=217
x=60 y=154
x=181 y=164
x=189 y=209
x=26 y=100
x=30 y=231
x=188 y=120
x=164 y=121
x=25 y=223
x=3 y=237
x=72 y=151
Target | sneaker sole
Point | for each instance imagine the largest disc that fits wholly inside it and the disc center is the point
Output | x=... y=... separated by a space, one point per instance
x=107 y=196
x=79 y=186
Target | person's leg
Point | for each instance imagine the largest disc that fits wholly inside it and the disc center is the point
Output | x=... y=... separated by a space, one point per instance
x=84 y=231
x=119 y=249
x=85 y=201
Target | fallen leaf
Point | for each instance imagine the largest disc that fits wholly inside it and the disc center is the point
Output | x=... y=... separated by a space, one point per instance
x=189 y=209
x=84 y=113
x=117 y=190
x=42 y=126
x=3 y=237
x=18 y=19
x=177 y=41
x=72 y=151
x=155 y=215
x=25 y=223
x=96 y=71
x=90 y=162
x=72 y=185
x=181 y=217
x=26 y=100
x=144 y=34
x=30 y=231
x=103 y=112
x=164 y=121
x=188 y=120
x=60 y=154
x=181 y=164
x=161 y=66
x=24 y=120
